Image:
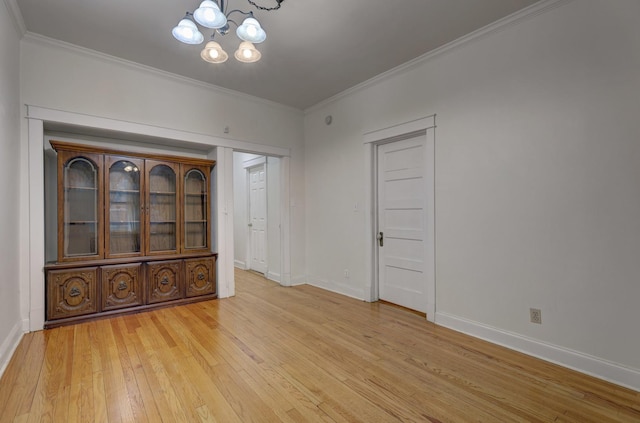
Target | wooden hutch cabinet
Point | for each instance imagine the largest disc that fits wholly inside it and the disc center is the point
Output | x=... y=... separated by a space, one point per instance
x=134 y=232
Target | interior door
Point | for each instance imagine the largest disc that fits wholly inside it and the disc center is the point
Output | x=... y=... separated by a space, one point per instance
x=402 y=223
x=258 y=218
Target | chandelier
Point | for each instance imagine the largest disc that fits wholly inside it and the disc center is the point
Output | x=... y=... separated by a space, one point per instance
x=215 y=15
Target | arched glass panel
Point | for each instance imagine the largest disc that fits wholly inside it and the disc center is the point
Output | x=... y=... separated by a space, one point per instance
x=162 y=209
x=195 y=210
x=124 y=208
x=80 y=225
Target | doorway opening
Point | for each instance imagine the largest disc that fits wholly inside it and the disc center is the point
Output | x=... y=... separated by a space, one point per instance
x=257 y=216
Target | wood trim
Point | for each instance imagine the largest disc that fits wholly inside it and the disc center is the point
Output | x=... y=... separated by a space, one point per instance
x=81 y=148
x=107 y=262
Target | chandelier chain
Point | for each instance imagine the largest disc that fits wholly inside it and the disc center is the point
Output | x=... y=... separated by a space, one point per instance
x=266 y=8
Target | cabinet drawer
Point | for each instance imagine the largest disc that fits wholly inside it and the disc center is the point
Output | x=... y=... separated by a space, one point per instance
x=71 y=292
x=200 y=276
x=165 y=281
x=121 y=286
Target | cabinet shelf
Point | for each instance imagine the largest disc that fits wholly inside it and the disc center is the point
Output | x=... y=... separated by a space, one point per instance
x=162 y=193
x=77 y=188
x=125 y=191
x=81 y=222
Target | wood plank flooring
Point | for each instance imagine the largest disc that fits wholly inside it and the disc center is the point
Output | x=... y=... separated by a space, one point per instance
x=301 y=354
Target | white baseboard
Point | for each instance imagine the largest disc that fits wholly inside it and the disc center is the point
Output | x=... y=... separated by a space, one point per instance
x=240 y=264
x=9 y=346
x=273 y=276
x=336 y=287
x=298 y=280
x=584 y=363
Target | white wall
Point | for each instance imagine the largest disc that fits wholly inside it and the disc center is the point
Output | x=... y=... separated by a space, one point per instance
x=10 y=321
x=537 y=172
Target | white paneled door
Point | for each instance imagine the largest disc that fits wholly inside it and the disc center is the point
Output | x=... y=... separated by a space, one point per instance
x=258 y=218
x=402 y=223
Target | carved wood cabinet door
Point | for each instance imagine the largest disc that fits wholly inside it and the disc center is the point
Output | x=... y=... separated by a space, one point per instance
x=201 y=276
x=165 y=282
x=121 y=286
x=71 y=292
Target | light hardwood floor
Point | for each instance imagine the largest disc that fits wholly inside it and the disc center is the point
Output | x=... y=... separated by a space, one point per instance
x=297 y=354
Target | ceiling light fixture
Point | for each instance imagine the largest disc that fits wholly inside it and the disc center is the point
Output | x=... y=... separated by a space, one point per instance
x=215 y=15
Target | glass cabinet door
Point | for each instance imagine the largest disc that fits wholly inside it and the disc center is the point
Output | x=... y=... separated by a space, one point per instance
x=196 y=209
x=124 y=237
x=162 y=207
x=81 y=207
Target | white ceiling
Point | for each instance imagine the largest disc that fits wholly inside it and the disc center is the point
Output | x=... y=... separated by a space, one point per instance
x=314 y=48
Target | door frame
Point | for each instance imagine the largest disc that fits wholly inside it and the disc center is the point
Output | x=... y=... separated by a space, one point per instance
x=420 y=127
x=248 y=165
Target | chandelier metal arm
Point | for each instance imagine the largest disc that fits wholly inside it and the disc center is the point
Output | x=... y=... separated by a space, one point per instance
x=224 y=30
x=250 y=14
x=265 y=8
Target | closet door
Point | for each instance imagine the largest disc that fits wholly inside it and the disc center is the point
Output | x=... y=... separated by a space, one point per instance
x=162 y=207
x=124 y=205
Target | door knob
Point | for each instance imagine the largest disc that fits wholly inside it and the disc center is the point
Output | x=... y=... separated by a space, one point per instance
x=380 y=238
x=250 y=224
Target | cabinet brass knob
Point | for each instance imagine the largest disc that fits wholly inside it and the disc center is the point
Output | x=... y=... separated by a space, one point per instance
x=164 y=281
x=200 y=276
x=122 y=286
x=74 y=292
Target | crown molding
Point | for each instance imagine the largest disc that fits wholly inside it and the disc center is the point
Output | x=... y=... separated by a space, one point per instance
x=83 y=51
x=16 y=17
x=499 y=25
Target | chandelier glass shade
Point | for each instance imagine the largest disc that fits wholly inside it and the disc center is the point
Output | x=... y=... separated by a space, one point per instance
x=247 y=53
x=213 y=53
x=251 y=31
x=187 y=32
x=214 y=15
x=209 y=15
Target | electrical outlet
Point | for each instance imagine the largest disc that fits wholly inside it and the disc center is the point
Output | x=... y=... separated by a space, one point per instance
x=535 y=315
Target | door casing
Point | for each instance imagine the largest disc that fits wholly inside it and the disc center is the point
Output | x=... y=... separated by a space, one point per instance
x=420 y=127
